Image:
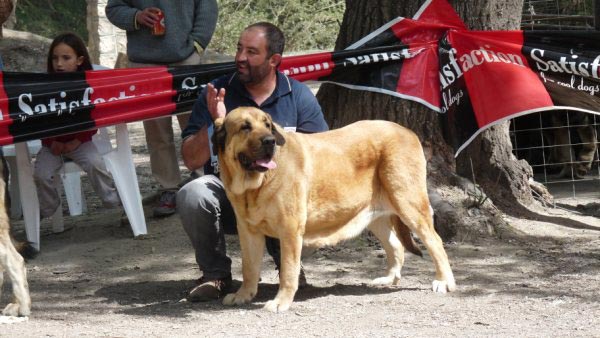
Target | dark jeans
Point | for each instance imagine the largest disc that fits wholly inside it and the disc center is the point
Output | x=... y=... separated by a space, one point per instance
x=206 y=215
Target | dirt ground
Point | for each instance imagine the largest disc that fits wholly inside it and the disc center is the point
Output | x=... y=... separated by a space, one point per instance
x=96 y=280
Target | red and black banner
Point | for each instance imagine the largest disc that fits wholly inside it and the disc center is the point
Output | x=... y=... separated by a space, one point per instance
x=475 y=78
x=37 y=105
x=489 y=77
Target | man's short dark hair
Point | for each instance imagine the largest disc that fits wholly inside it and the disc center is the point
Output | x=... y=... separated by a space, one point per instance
x=274 y=35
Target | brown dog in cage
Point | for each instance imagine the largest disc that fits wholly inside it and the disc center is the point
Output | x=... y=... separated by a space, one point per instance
x=574 y=155
x=11 y=261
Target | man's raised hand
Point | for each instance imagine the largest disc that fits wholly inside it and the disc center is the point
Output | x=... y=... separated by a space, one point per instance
x=215 y=101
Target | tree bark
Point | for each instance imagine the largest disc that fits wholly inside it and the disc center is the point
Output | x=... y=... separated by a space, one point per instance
x=500 y=175
x=12 y=19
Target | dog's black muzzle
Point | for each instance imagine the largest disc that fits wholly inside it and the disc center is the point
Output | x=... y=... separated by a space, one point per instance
x=259 y=159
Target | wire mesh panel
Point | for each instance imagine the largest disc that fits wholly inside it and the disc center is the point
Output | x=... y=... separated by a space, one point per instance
x=557 y=14
x=562 y=147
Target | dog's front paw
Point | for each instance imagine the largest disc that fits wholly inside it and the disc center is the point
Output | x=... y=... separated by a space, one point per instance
x=387 y=280
x=238 y=298
x=15 y=310
x=276 y=305
x=443 y=286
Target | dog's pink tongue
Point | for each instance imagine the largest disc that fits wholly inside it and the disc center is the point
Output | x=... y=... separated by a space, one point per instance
x=269 y=164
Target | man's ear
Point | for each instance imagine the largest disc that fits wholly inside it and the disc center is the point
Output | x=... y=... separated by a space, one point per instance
x=276 y=60
x=219 y=136
x=278 y=133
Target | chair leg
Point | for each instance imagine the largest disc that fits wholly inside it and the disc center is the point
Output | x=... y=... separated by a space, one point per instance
x=120 y=164
x=58 y=223
x=28 y=194
x=72 y=184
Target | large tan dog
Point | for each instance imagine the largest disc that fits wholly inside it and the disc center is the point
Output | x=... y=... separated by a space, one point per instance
x=13 y=263
x=320 y=189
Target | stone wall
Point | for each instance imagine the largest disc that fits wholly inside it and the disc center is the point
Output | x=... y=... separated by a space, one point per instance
x=107 y=44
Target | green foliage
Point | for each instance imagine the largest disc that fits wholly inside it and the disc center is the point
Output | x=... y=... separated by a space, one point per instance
x=51 y=17
x=307 y=24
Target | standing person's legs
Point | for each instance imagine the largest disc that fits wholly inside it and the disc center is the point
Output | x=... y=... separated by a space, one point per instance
x=206 y=216
x=163 y=162
x=163 y=154
x=89 y=159
x=45 y=173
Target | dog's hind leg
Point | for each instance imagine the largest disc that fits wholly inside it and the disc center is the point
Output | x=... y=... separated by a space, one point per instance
x=15 y=267
x=384 y=230
x=252 y=246
x=418 y=218
x=414 y=211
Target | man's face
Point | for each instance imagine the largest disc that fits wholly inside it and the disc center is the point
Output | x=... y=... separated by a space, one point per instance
x=251 y=59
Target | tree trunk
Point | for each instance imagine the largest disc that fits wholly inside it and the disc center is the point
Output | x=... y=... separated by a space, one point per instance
x=12 y=19
x=500 y=175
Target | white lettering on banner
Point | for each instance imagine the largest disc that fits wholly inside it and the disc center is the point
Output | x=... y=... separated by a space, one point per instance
x=380 y=57
x=592 y=89
x=475 y=58
x=189 y=91
x=450 y=99
x=306 y=69
x=189 y=83
x=25 y=102
x=569 y=65
x=450 y=73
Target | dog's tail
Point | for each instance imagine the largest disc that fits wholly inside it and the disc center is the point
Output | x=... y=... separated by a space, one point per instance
x=25 y=249
x=405 y=236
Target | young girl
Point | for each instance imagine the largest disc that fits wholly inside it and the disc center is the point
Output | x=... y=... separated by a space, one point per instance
x=69 y=54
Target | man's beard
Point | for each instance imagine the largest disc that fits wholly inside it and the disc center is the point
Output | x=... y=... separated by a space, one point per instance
x=255 y=73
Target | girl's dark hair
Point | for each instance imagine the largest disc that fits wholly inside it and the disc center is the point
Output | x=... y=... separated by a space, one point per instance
x=74 y=41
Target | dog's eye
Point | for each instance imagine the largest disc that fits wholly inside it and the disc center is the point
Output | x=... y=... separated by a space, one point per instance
x=246 y=126
x=268 y=125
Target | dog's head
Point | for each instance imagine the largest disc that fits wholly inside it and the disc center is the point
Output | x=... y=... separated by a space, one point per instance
x=248 y=137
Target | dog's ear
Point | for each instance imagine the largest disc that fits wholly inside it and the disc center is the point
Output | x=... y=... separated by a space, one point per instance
x=278 y=133
x=219 y=136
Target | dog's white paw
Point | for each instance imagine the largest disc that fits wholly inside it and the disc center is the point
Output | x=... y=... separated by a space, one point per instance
x=387 y=280
x=443 y=286
x=13 y=309
x=277 y=306
x=237 y=298
x=12 y=319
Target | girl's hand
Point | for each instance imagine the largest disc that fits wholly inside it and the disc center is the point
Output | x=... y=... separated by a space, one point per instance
x=56 y=148
x=71 y=146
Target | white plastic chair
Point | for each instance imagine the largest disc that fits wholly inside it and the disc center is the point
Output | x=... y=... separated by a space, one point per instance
x=70 y=176
x=119 y=162
x=10 y=155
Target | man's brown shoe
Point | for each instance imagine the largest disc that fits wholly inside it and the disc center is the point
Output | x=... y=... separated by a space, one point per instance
x=208 y=290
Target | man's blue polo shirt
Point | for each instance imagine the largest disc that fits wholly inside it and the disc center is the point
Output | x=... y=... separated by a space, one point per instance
x=292 y=105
